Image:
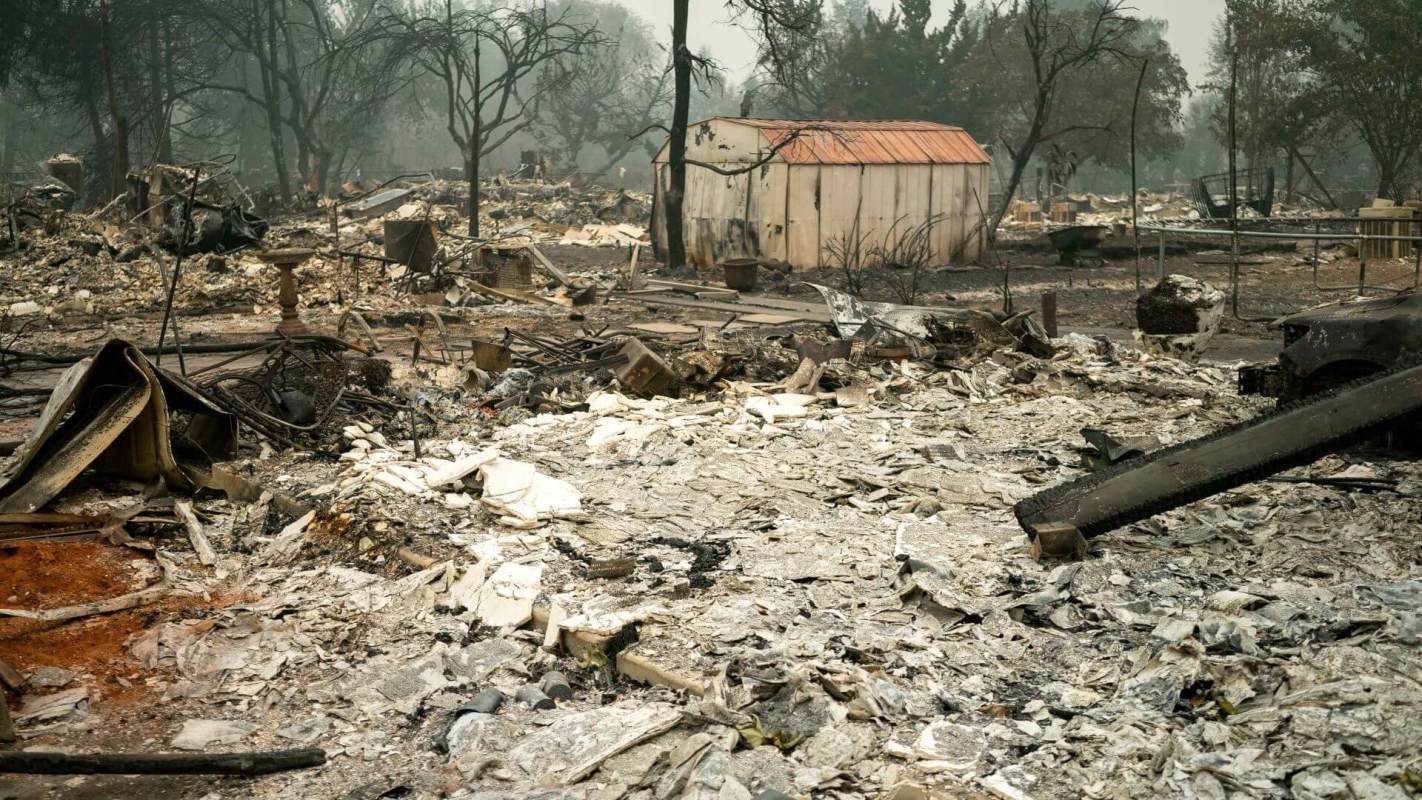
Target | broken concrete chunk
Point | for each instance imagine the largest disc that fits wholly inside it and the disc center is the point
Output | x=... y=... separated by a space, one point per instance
x=506 y=598
x=49 y=707
x=838 y=746
x=576 y=744
x=407 y=686
x=954 y=747
x=199 y=734
x=476 y=662
x=50 y=677
x=308 y=730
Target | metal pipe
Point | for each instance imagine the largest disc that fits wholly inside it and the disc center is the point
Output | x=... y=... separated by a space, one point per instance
x=1362 y=264
x=1417 y=255
x=1327 y=237
x=1233 y=164
x=1316 y=237
x=1135 y=186
x=173 y=281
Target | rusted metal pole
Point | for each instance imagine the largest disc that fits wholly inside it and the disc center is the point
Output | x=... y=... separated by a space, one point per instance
x=1233 y=165
x=1135 y=186
x=177 y=273
x=1049 y=313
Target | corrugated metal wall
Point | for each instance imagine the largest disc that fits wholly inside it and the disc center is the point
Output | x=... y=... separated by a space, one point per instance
x=794 y=212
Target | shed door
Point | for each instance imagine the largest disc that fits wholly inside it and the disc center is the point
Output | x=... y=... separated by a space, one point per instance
x=839 y=207
x=803 y=217
x=765 y=207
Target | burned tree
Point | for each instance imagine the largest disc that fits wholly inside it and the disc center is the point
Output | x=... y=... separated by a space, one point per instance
x=1282 y=108
x=797 y=62
x=1364 y=54
x=1056 y=45
x=486 y=104
x=118 y=68
x=324 y=68
x=610 y=96
x=682 y=60
x=766 y=13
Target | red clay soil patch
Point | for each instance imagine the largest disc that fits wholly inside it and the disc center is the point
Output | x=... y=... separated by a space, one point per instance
x=37 y=575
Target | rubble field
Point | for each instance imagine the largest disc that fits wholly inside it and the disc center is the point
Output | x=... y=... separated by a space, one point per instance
x=620 y=534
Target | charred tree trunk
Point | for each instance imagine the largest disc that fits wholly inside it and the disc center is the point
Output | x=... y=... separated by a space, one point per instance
x=155 y=92
x=165 y=143
x=311 y=155
x=117 y=180
x=271 y=96
x=1389 y=176
x=100 y=177
x=11 y=134
x=1289 y=179
x=476 y=137
x=1020 y=159
x=681 y=109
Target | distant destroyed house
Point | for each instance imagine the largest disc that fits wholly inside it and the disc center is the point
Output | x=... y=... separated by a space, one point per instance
x=821 y=183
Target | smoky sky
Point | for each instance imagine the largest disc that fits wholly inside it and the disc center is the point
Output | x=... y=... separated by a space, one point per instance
x=1190 y=23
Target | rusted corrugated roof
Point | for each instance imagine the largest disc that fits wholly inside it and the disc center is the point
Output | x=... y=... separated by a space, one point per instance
x=869 y=141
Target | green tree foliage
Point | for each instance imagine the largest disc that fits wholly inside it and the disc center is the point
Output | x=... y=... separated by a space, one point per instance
x=1366 y=59
x=976 y=69
x=1087 y=105
x=1281 y=108
x=898 y=66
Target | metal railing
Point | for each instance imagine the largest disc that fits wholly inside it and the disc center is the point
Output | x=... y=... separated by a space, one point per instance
x=1318 y=236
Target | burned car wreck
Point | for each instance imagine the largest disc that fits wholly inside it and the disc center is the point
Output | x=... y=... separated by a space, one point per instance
x=1332 y=345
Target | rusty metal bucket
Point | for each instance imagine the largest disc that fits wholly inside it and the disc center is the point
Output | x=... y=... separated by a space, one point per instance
x=740 y=273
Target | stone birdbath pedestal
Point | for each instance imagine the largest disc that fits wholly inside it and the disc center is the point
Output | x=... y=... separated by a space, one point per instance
x=287 y=260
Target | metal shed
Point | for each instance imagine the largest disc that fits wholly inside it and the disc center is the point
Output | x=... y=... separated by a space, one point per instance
x=817 y=179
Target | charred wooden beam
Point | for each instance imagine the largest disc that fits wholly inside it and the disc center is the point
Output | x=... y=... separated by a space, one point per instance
x=1059 y=519
x=247 y=764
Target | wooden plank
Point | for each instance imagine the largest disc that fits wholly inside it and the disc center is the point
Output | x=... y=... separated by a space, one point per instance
x=557 y=273
x=512 y=294
x=694 y=288
x=11 y=677
x=718 y=324
x=196 y=535
x=771 y=319
x=634 y=277
x=785 y=303
x=47 y=518
x=665 y=328
x=247 y=764
x=709 y=305
x=631 y=664
x=732 y=294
